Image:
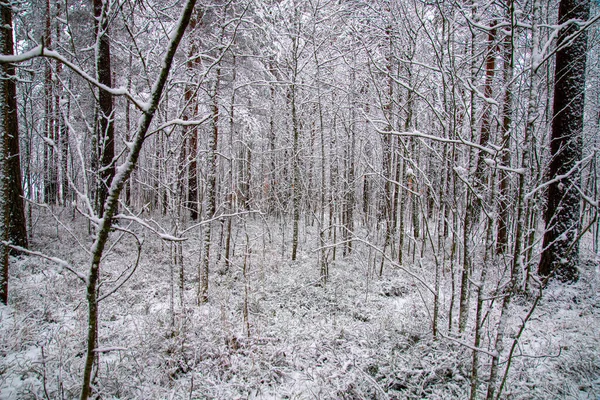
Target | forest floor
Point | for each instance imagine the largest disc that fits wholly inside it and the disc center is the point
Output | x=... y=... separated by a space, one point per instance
x=361 y=336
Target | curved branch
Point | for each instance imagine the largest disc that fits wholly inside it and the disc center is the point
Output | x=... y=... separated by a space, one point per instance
x=134 y=268
x=41 y=51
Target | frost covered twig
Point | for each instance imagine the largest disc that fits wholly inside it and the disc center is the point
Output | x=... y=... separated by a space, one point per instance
x=62 y=263
x=133 y=269
x=558 y=178
x=58 y=221
x=181 y=122
x=583 y=25
x=162 y=235
x=380 y=251
x=422 y=135
x=468 y=346
x=41 y=51
x=218 y=217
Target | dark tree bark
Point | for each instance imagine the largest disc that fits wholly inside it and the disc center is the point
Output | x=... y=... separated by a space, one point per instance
x=62 y=131
x=12 y=212
x=50 y=172
x=6 y=129
x=560 y=254
x=105 y=128
x=16 y=208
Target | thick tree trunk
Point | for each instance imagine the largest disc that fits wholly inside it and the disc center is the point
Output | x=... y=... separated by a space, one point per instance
x=560 y=255
x=12 y=212
x=16 y=206
x=8 y=127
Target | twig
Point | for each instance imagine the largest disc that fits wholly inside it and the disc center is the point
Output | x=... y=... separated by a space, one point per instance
x=62 y=263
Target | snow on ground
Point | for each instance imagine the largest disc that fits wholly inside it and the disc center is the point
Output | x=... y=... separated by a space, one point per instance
x=358 y=337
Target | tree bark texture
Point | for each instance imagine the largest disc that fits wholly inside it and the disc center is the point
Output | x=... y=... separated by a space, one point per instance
x=16 y=207
x=560 y=255
x=105 y=128
x=211 y=190
x=191 y=132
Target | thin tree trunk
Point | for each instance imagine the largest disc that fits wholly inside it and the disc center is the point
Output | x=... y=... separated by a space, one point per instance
x=522 y=222
x=503 y=204
x=128 y=185
x=350 y=191
x=333 y=184
x=323 y=265
x=106 y=128
x=50 y=184
x=191 y=138
x=387 y=161
x=231 y=203
x=117 y=186
x=191 y=132
x=211 y=189
x=296 y=170
x=474 y=200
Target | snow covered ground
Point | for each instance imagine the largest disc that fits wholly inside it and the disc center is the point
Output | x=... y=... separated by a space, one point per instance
x=359 y=337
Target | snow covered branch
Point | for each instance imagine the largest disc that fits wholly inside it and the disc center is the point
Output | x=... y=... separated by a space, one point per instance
x=41 y=51
x=559 y=178
x=422 y=135
x=62 y=263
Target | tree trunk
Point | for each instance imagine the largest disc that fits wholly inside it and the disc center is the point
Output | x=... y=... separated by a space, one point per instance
x=211 y=190
x=350 y=197
x=560 y=254
x=17 y=233
x=503 y=178
x=116 y=188
x=387 y=206
x=296 y=171
x=50 y=184
x=10 y=173
x=191 y=132
x=105 y=129
x=61 y=131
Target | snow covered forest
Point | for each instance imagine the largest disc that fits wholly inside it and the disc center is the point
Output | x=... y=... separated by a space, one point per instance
x=299 y=199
